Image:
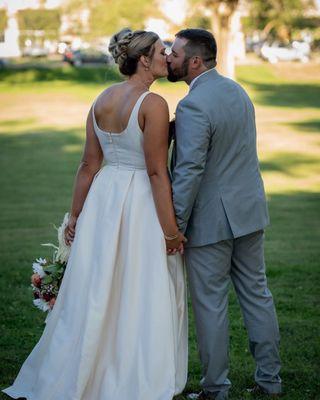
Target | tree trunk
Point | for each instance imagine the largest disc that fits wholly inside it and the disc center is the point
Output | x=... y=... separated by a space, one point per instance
x=223 y=13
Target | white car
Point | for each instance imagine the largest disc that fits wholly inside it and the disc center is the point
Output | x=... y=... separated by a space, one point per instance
x=35 y=51
x=299 y=51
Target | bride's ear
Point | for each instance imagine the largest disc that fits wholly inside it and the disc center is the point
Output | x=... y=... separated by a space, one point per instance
x=145 y=62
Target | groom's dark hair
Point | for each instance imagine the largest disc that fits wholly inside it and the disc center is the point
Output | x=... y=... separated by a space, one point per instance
x=200 y=43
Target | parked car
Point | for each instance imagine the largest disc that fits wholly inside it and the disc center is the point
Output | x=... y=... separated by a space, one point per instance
x=253 y=45
x=82 y=56
x=297 y=51
x=3 y=63
x=35 y=51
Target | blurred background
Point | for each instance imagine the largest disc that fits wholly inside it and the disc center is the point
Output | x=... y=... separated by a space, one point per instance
x=78 y=31
x=54 y=62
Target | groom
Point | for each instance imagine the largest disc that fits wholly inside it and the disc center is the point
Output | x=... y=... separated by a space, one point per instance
x=220 y=205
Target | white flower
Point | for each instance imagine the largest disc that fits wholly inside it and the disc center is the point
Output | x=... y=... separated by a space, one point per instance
x=41 y=304
x=63 y=251
x=41 y=261
x=37 y=269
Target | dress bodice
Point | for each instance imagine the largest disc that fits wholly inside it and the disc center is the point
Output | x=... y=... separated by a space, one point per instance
x=124 y=149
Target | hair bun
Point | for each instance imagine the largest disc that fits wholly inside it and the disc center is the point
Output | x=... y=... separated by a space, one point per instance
x=119 y=43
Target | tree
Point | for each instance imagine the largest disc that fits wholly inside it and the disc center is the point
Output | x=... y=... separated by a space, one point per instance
x=197 y=19
x=38 y=24
x=222 y=18
x=108 y=16
x=3 y=20
x=222 y=15
x=278 y=18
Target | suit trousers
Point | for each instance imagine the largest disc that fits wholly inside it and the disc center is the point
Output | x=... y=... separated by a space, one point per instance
x=210 y=269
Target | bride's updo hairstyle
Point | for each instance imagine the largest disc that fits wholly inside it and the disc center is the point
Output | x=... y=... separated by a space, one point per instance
x=128 y=46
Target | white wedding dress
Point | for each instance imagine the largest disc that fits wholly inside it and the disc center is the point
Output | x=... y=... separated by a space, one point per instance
x=118 y=330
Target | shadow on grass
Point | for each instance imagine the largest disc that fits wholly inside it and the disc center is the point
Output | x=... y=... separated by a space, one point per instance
x=13 y=123
x=292 y=258
x=39 y=170
x=67 y=73
x=287 y=163
x=36 y=190
x=292 y=95
x=312 y=125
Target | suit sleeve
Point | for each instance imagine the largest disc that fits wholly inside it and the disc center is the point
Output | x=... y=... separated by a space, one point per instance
x=193 y=135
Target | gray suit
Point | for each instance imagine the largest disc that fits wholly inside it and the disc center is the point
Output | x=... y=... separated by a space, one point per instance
x=220 y=204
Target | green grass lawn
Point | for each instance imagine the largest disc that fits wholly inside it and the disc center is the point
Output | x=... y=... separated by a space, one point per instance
x=42 y=118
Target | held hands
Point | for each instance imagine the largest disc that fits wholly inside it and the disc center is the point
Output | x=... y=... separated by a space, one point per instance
x=70 y=230
x=176 y=245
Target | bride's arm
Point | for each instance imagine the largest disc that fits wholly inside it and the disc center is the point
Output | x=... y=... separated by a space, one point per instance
x=156 y=124
x=89 y=166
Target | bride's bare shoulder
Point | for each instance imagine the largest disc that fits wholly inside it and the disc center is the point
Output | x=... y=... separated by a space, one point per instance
x=108 y=97
x=155 y=100
x=111 y=91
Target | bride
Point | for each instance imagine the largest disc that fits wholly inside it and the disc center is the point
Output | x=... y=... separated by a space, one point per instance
x=118 y=329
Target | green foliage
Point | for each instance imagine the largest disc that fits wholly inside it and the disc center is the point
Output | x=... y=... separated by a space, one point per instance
x=279 y=18
x=198 y=20
x=36 y=74
x=41 y=20
x=3 y=20
x=109 y=16
x=38 y=25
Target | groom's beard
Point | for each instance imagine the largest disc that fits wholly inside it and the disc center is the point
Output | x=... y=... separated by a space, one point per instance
x=179 y=74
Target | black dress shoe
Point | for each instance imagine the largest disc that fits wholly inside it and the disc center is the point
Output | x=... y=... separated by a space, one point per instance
x=258 y=390
x=201 y=396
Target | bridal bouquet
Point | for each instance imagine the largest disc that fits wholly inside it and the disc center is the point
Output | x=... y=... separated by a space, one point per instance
x=47 y=274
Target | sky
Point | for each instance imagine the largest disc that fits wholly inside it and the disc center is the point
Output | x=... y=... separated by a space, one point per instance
x=175 y=10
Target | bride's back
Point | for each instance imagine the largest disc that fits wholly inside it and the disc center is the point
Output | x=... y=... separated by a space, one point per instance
x=116 y=123
x=114 y=106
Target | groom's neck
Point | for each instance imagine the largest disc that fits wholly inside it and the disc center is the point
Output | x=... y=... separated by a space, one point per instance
x=194 y=73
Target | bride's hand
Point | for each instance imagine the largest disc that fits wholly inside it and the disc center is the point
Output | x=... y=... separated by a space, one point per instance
x=179 y=250
x=176 y=245
x=70 y=230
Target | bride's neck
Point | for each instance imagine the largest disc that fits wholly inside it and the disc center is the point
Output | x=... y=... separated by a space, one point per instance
x=141 y=81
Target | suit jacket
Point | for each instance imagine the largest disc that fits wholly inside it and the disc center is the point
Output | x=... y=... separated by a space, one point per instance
x=218 y=191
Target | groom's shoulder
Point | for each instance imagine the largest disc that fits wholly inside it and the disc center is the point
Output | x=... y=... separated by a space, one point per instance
x=215 y=91
x=190 y=101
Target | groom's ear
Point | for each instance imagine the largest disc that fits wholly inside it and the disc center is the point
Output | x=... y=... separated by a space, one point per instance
x=196 y=62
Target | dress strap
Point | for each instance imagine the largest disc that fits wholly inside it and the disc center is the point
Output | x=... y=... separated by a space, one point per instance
x=135 y=111
x=133 y=114
x=94 y=117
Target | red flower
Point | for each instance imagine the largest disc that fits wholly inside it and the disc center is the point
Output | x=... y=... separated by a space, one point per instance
x=36 y=280
x=46 y=296
x=52 y=301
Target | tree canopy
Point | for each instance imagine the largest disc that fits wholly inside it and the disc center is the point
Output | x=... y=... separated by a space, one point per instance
x=38 y=25
x=278 y=18
x=3 y=20
x=109 y=16
x=39 y=20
